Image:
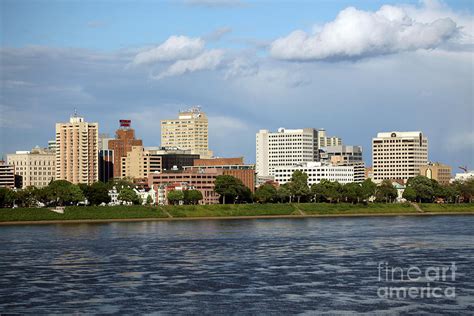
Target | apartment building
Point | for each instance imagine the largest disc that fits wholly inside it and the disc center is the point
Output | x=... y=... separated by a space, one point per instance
x=437 y=171
x=77 y=151
x=188 y=131
x=35 y=168
x=398 y=155
x=288 y=147
x=316 y=172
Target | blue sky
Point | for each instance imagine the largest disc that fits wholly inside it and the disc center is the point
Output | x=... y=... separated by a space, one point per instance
x=387 y=65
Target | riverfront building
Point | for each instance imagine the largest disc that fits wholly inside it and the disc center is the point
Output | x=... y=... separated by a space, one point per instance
x=437 y=171
x=122 y=144
x=231 y=166
x=139 y=163
x=77 y=151
x=398 y=155
x=316 y=172
x=7 y=175
x=35 y=168
x=288 y=147
x=188 y=131
x=342 y=155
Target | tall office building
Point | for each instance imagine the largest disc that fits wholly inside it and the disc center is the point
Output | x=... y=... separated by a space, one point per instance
x=288 y=147
x=35 y=168
x=138 y=163
x=122 y=144
x=77 y=151
x=188 y=131
x=7 y=175
x=398 y=155
x=106 y=159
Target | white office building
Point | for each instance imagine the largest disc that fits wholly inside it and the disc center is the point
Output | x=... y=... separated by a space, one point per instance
x=316 y=172
x=288 y=147
x=398 y=155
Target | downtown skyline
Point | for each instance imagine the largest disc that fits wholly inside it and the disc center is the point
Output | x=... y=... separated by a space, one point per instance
x=239 y=73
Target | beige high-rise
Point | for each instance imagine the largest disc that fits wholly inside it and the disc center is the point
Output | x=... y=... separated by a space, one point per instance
x=36 y=167
x=138 y=163
x=77 y=151
x=398 y=155
x=188 y=131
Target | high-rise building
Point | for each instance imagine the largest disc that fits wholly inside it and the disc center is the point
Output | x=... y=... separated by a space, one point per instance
x=173 y=158
x=326 y=141
x=398 y=155
x=52 y=145
x=288 y=147
x=437 y=171
x=343 y=155
x=77 y=151
x=106 y=159
x=7 y=175
x=122 y=144
x=139 y=163
x=188 y=131
x=36 y=167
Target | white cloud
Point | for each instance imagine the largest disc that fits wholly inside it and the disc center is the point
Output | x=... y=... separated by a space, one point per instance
x=217 y=34
x=356 y=34
x=174 y=48
x=206 y=61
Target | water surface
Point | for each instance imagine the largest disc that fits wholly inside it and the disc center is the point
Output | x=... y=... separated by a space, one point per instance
x=278 y=266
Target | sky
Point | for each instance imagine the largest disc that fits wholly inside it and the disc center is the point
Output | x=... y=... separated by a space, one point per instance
x=354 y=68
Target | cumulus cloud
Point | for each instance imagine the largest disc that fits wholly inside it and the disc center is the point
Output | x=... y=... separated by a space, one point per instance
x=206 y=61
x=357 y=34
x=174 y=48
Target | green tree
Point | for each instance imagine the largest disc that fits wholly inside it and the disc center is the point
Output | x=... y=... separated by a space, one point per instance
x=62 y=192
x=423 y=187
x=283 y=193
x=192 y=196
x=318 y=192
x=128 y=195
x=409 y=194
x=7 y=197
x=465 y=189
x=175 y=196
x=266 y=193
x=352 y=192
x=299 y=185
x=26 y=197
x=43 y=195
x=98 y=193
x=230 y=188
x=368 y=188
x=149 y=200
x=386 y=192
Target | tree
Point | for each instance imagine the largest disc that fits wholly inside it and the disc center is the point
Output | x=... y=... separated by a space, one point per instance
x=62 y=192
x=299 y=185
x=229 y=188
x=409 y=194
x=175 y=196
x=423 y=187
x=465 y=189
x=98 y=193
x=26 y=197
x=283 y=193
x=192 y=196
x=368 y=188
x=149 y=200
x=120 y=184
x=265 y=193
x=128 y=195
x=352 y=192
x=7 y=197
x=386 y=192
x=317 y=190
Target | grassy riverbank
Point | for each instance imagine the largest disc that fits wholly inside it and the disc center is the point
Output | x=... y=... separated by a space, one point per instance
x=202 y=211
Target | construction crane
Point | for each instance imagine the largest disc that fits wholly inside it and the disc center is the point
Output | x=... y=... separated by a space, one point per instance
x=464 y=168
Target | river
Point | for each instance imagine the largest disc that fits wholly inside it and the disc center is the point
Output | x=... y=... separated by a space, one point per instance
x=261 y=266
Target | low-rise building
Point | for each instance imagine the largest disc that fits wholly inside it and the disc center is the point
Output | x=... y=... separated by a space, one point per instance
x=464 y=176
x=35 y=168
x=202 y=180
x=316 y=172
x=437 y=171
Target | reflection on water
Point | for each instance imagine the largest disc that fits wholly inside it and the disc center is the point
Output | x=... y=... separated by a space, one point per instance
x=253 y=266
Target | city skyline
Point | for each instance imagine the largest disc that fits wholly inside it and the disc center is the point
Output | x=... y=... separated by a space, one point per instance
x=244 y=80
